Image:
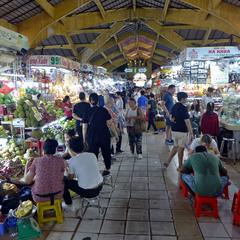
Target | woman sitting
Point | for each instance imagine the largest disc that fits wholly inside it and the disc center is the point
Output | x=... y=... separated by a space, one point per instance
x=46 y=174
x=210 y=121
x=207 y=141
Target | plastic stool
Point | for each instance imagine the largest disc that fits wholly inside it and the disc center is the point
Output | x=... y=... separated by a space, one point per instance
x=236 y=209
x=209 y=201
x=43 y=207
x=233 y=144
x=91 y=202
x=226 y=191
x=183 y=187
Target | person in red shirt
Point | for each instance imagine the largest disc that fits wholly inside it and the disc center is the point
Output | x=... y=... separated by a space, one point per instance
x=210 y=121
x=67 y=107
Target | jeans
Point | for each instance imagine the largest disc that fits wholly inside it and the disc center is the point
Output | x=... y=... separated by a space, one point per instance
x=73 y=186
x=135 y=140
x=189 y=180
x=151 y=121
x=105 y=146
x=79 y=132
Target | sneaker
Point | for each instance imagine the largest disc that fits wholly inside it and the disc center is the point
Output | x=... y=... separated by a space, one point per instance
x=169 y=142
x=105 y=173
x=68 y=207
x=139 y=156
x=156 y=132
x=120 y=151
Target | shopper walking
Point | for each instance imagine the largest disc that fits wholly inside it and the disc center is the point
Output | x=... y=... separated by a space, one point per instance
x=96 y=134
x=181 y=128
x=134 y=117
x=143 y=102
x=79 y=110
x=120 y=120
x=210 y=121
x=152 y=111
x=168 y=105
x=208 y=98
x=67 y=107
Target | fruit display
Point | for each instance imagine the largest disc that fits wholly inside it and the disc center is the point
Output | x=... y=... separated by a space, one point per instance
x=3 y=133
x=6 y=99
x=59 y=113
x=24 y=209
x=69 y=124
x=27 y=109
x=9 y=187
x=30 y=153
x=11 y=159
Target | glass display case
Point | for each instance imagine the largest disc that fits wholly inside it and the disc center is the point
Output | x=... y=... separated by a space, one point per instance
x=231 y=109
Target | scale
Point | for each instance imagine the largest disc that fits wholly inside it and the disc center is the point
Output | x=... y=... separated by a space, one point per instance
x=28 y=227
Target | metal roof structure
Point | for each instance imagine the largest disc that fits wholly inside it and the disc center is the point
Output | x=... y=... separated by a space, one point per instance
x=112 y=32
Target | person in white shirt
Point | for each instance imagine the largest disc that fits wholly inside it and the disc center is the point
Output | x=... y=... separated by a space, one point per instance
x=207 y=141
x=207 y=98
x=84 y=167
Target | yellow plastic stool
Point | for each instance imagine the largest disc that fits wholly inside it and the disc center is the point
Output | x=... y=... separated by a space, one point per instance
x=43 y=207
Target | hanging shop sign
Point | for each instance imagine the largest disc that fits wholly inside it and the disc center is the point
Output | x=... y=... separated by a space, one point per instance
x=101 y=70
x=13 y=40
x=208 y=53
x=219 y=74
x=86 y=67
x=135 y=70
x=53 y=61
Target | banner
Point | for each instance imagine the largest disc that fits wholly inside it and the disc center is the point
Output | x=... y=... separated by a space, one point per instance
x=13 y=39
x=53 y=61
x=208 y=53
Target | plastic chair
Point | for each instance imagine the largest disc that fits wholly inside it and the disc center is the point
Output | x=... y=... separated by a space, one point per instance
x=43 y=207
x=211 y=202
x=226 y=191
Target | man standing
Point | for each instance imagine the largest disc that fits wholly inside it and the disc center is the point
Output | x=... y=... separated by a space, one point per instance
x=143 y=102
x=96 y=134
x=79 y=110
x=168 y=103
x=181 y=128
x=207 y=98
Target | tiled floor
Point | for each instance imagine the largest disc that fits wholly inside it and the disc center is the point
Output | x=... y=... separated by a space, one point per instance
x=146 y=205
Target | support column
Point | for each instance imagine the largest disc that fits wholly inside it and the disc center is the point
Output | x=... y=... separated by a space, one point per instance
x=149 y=68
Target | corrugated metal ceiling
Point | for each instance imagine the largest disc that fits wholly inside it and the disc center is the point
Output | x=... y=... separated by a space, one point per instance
x=191 y=34
x=117 y=57
x=60 y=52
x=84 y=38
x=112 y=49
x=234 y=2
x=55 y=40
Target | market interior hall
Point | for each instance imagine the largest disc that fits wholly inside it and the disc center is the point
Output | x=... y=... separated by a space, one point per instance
x=120 y=119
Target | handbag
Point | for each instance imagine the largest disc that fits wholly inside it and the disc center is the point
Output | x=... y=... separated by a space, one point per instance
x=140 y=124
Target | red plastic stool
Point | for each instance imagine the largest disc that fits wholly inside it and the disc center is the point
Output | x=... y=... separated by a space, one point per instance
x=206 y=201
x=236 y=209
x=183 y=187
x=226 y=191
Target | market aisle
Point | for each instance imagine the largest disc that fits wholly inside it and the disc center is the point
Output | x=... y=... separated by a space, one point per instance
x=146 y=205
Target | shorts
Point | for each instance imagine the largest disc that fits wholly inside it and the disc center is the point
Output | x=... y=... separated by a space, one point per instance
x=168 y=121
x=180 y=139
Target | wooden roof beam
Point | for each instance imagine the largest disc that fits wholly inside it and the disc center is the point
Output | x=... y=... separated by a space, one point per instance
x=36 y=27
x=206 y=36
x=168 y=34
x=165 y=9
x=100 y=7
x=222 y=10
x=134 y=5
x=47 y=7
x=106 y=58
x=4 y=23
